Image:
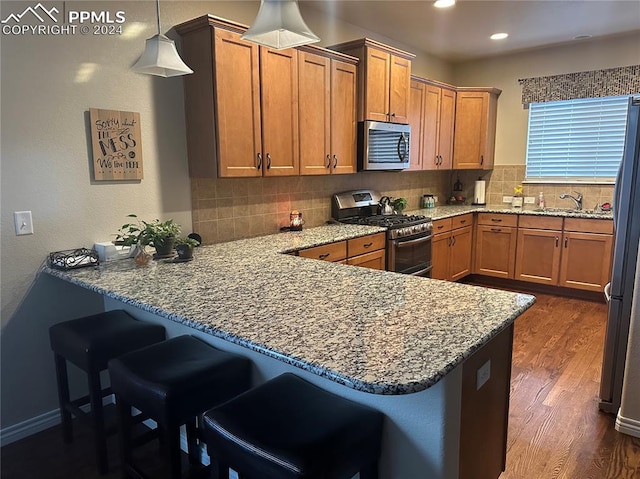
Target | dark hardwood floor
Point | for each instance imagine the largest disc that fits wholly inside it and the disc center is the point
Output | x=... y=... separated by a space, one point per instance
x=555 y=427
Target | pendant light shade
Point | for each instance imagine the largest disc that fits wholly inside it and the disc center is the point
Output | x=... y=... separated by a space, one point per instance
x=279 y=25
x=160 y=56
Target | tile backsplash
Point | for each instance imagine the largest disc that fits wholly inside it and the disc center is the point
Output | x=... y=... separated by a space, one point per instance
x=227 y=209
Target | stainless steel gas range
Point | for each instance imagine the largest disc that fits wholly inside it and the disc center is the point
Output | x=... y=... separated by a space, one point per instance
x=408 y=236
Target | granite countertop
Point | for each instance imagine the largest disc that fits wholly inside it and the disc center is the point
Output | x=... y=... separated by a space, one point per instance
x=374 y=331
x=442 y=212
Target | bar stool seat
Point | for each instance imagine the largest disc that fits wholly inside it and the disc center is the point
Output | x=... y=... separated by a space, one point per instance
x=173 y=383
x=89 y=343
x=288 y=428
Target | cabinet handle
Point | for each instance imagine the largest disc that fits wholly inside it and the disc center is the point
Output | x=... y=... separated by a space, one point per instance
x=440 y=227
x=367 y=245
x=259 y=160
x=557 y=241
x=268 y=161
x=453 y=239
x=481 y=160
x=335 y=161
x=328 y=161
x=566 y=241
x=324 y=256
x=497 y=230
x=449 y=242
x=393 y=115
x=463 y=222
x=496 y=220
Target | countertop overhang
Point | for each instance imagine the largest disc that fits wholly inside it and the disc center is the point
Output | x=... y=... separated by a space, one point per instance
x=373 y=331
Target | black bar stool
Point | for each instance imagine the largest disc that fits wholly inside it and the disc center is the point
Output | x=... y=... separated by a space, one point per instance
x=173 y=383
x=287 y=428
x=89 y=343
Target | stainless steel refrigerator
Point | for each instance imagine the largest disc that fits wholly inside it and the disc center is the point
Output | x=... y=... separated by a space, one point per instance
x=619 y=292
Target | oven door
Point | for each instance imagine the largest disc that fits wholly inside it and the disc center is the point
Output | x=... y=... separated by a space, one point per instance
x=410 y=255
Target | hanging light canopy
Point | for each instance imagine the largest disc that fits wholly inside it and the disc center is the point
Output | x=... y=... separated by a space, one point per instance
x=160 y=56
x=279 y=25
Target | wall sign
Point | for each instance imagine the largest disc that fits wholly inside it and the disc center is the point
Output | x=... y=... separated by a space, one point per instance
x=117 y=145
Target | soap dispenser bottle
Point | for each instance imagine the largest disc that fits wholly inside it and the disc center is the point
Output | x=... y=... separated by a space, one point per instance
x=541 y=201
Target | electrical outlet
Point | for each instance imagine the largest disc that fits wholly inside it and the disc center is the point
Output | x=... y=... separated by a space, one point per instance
x=507 y=199
x=23 y=222
x=483 y=374
x=529 y=200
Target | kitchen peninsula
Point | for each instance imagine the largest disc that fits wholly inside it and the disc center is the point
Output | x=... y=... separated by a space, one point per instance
x=396 y=342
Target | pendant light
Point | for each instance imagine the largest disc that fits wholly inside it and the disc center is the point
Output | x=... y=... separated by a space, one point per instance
x=160 y=56
x=279 y=25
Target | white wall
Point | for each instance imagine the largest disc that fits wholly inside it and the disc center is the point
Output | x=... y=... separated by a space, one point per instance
x=46 y=158
x=504 y=71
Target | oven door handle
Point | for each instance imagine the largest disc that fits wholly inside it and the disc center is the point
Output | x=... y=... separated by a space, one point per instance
x=422 y=272
x=401 y=244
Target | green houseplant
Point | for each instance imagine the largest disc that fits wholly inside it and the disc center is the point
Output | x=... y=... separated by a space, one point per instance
x=159 y=234
x=399 y=204
x=184 y=247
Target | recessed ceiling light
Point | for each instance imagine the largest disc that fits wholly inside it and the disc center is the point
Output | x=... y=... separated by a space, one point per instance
x=499 y=36
x=444 y=3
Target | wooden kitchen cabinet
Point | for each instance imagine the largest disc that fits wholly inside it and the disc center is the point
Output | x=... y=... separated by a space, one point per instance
x=241 y=103
x=431 y=116
x=586 y=254
x=452 y=247
x=327 y=113
x=366 y=251
x=327 y=252
x=475 y=128
x=495 y=252
x=384 y=80
x=539 y=249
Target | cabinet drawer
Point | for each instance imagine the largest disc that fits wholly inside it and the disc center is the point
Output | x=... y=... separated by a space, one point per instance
x=498 y=219
x=462 y=221
x=327 y=252
x=365 y=244
x=582 y=225
x=540 y=222
x=442 y=226
x=373 y=260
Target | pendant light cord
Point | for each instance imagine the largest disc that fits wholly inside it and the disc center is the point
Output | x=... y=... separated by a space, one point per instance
x=158 y=14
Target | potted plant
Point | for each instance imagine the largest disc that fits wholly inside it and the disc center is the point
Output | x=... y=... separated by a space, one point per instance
x=184 y=247
x=399 y=204
x=159 y=234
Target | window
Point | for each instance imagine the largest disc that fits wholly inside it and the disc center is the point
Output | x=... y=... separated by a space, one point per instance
x=576 y=140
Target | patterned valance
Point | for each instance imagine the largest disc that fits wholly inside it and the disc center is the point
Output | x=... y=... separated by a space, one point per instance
x=591 y=84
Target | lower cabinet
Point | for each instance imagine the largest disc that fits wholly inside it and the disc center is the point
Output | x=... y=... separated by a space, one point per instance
x=496 y=237
x=452 y=247
x=539 y=249
x=366 y=251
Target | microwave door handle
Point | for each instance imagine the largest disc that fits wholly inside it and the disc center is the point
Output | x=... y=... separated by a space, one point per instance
x=402 y=154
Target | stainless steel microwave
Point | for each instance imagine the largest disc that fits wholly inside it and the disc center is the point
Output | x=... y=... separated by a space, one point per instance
x=383 y=146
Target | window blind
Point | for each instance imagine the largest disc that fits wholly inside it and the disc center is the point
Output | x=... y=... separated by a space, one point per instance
x=576 y=140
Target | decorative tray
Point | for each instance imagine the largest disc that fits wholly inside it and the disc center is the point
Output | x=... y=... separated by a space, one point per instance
x=73 y=258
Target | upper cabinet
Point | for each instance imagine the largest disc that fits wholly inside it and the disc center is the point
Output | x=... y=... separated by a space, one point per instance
x=327 y=113
x=431 y=116
x=475 y=128
x=384 y=80
x=243 y=110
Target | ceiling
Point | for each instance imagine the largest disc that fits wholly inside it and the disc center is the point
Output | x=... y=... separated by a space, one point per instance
x=462 y=32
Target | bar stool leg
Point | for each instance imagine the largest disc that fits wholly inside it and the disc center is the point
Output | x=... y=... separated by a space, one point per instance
x=192 y=442
x=97 y=415
x=63 y=397
x=218 y=469
x=370 y=471
x=173 y=451
x=124 y=435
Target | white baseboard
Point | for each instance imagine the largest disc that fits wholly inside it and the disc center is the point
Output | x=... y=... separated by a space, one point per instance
x=30 y=426
x=628 y=426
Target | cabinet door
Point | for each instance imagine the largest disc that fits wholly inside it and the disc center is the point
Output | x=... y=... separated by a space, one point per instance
x=373 y=260
x=417 y=123
x=279 y=82
x=461 y=248
x=446 y=128
x=586 y=261
x=237 y=89
x=470 y=130
x=431 y=160
x=538 y=256
x=399 y=87
x=440 y=255
x=376 y=100
x=343 y=117
x=314 y=113
x=495 y=251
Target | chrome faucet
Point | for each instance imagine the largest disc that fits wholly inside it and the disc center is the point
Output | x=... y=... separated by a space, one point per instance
x=576 y=199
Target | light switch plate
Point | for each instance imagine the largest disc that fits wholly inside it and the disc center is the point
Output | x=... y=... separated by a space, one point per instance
x=483 y=374
x=23 y=222
x=507 y=199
